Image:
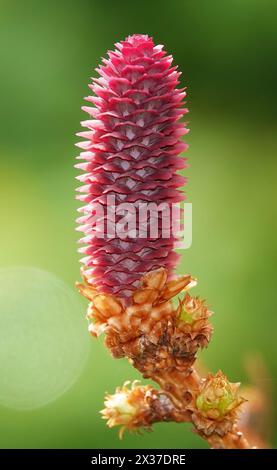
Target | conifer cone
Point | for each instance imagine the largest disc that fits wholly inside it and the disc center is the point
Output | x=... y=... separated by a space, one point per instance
x=131 y=153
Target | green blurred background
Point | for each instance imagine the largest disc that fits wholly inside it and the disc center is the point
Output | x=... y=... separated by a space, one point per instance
x=227 y=53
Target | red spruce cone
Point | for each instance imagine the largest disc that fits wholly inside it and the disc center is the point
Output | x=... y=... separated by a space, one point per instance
x=131 y=153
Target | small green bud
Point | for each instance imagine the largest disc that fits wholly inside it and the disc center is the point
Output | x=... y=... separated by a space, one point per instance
x=218 y=397
x=192 y=309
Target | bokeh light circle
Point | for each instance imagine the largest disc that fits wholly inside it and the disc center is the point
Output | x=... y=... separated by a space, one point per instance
x=43 y=337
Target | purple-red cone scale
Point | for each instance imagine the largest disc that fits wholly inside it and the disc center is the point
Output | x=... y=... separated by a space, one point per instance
x=131 y=152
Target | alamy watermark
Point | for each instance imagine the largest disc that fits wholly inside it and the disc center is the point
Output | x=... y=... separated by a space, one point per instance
x=143 y=220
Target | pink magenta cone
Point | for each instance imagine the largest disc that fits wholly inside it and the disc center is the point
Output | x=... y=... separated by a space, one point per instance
x=131 y=152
